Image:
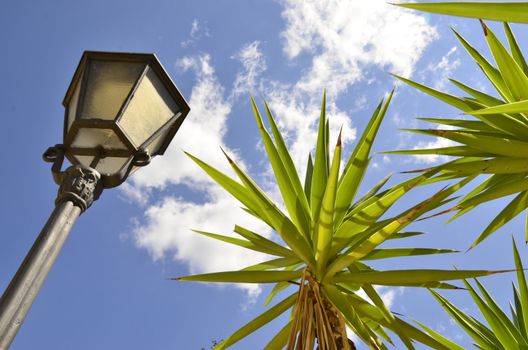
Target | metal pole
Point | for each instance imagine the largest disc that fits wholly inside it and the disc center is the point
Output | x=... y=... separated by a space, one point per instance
x=78 y=189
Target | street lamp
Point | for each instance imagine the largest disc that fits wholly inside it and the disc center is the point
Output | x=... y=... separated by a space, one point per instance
x=122 y=109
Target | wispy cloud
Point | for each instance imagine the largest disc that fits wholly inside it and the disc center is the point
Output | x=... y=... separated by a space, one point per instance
x=346 y=37
x=253 y=65
x=441 y=71
x=198 y=31
x=166 y=232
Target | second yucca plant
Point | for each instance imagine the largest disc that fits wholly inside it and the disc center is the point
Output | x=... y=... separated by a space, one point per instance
x=498 y=331
x=494 y=140
x=329 y=237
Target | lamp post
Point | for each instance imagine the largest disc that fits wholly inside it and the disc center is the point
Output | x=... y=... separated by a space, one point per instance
x=122 y=109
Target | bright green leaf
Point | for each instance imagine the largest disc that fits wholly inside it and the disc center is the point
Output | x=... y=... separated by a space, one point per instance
x=244 y=276
x=495 y=11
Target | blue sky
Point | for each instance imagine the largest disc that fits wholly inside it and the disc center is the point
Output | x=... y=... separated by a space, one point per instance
x=107 y=289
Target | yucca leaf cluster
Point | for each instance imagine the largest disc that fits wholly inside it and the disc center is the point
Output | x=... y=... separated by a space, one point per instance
x=493 y=139
x=497 y=330
x=329 y=235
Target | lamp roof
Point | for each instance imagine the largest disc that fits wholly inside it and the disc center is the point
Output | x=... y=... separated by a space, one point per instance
x=147 y=58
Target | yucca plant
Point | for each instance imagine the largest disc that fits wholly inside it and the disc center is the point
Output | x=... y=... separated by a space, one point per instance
x=494 y=141
x=499 y=331
x=329 y=236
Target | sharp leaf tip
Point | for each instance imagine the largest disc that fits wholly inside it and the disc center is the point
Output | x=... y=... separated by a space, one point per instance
x=484 y=27
x=225 y=154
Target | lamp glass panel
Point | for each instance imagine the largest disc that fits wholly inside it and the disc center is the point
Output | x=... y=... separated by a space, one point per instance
x=85 y=160
x=111 y=165
x=105 y=166
x=154 y=146
x=150 y=108
x=93 y=138
x=72 y=107
x=108 y=86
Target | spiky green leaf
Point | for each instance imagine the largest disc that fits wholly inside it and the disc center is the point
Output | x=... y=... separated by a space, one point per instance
x=290 y=187
x=403 y=277
x=243 y=276
x=358 y=161
x=320 y=167
x=495 y=11
x=324 y=229
x=263 y=319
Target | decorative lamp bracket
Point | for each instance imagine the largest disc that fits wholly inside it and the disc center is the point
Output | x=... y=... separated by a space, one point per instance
x=78 y=184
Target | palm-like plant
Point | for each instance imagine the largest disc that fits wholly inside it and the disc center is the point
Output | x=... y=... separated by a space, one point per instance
x=329 y=237
x=501 y=331
x=495 y=141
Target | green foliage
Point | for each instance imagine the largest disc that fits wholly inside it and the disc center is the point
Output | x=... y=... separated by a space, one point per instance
x=499 y=331
x=495 y=141
x=329 y=236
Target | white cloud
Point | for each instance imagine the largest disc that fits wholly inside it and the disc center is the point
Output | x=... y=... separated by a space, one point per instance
x=253 y=64
x=346 y=37
x=198 y=31
x=167 y=231
x=360 y=103
x=443 y=69
x=134 y=194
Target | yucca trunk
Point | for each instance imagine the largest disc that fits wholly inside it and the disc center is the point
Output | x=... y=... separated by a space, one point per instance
x=315 y=318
